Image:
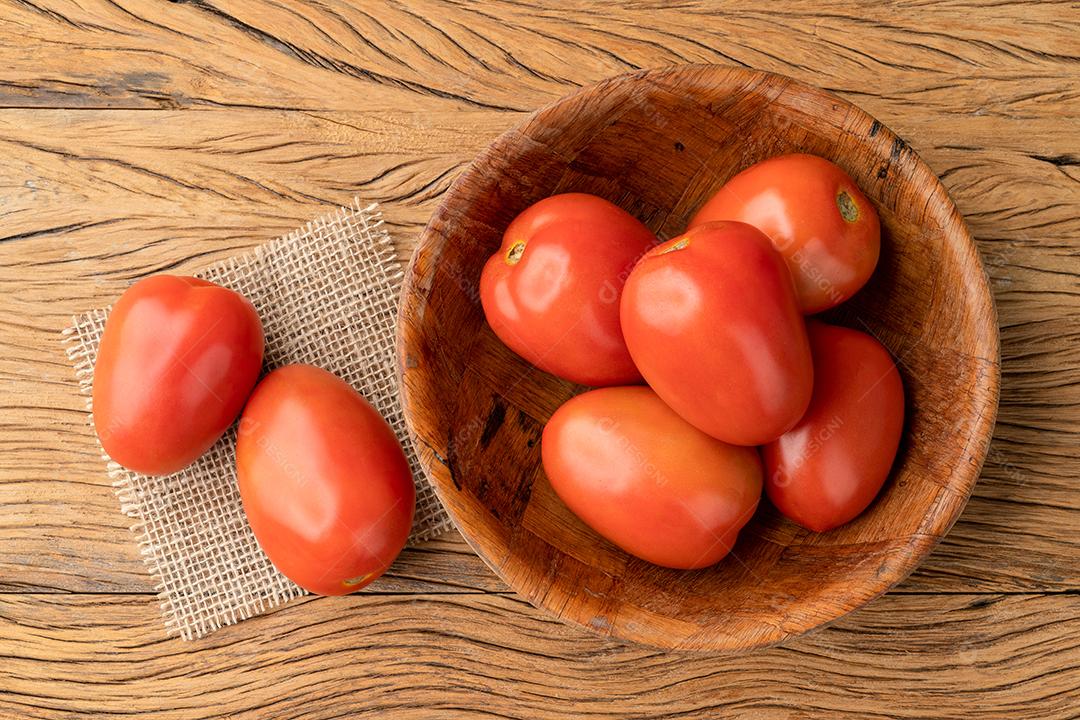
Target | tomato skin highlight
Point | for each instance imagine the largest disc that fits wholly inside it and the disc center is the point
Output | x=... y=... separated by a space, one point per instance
x=815 y=214
x=551 y=291
x=325 y=485
x=647 y=480
x=711 y=320
x=176 y=362
x=827 y=469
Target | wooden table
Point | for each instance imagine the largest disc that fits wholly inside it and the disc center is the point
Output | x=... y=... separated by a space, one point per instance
x=141 y=137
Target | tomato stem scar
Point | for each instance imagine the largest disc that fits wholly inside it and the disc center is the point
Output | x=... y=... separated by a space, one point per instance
x=848 y=209
x=679 y=245
x=513 y=255
x=351 y=582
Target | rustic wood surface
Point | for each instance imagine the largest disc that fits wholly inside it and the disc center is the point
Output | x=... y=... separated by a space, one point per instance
x=141 y=136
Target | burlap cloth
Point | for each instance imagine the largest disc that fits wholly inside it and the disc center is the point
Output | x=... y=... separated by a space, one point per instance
x=327 y=295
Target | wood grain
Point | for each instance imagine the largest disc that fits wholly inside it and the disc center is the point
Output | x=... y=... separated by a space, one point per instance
x=423 y=656
x=503 y=55
x=984 y=92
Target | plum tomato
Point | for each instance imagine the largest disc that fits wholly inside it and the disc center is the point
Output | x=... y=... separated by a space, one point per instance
x=325 y=485
x=827 y=469
x=551 y=291
x=647 y=480
x=816 y=216
x=711 y=320
x=176 y=362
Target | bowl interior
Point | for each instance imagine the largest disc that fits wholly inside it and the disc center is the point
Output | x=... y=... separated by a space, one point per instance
x=658 y=143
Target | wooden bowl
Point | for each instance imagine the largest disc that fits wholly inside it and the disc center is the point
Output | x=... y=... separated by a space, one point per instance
x=658 y=143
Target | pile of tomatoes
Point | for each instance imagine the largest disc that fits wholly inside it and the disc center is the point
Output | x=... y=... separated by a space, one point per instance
x=325 y=485
x=712 y=381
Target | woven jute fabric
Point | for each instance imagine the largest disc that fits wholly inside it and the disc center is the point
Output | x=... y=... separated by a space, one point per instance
x=327 y=295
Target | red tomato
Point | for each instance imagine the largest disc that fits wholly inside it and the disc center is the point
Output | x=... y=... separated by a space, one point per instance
x=176 y=361
x=829 y=467
x=711 y=320
x=819 y=220
x=647 y=480
x=325 y=485
x=551 y=292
